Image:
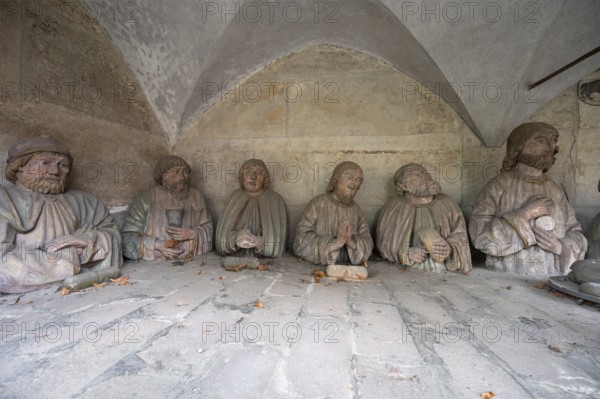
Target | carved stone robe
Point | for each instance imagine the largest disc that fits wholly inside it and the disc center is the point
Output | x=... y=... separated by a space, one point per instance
x=317 y=230
x=593 y=236
x=507 y=238
x=400 y=219
x=146 y=221
x=263 y=216
x=31 y=221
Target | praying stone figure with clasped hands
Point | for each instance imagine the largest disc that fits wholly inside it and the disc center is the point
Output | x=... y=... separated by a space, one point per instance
x=332 y=229
x=49 y=233
x=422 y=227
x=169 y=220
x=522 y=220
x=254 y=223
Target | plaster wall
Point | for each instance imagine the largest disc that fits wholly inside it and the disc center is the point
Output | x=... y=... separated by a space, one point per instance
x=310 y=110
x=61 y=77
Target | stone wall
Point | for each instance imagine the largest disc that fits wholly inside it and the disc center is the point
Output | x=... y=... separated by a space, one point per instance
x=61 y=77
x=313 y=109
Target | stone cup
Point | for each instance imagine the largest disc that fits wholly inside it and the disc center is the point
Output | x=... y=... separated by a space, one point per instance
x=174 y=217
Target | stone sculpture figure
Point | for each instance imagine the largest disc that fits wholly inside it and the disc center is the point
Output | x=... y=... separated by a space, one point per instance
x=522 y=220
x=593 y=236
x=422 y=227
x=147 y=232
x=254 y=223
x=332 y=228
x=49 y=233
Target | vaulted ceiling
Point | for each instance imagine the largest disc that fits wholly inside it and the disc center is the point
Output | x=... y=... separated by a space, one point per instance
x=479 y=56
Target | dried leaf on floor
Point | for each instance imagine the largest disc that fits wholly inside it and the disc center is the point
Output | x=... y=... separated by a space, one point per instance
x=235 y=268
x=222 y=277
x=541 y=286
x=554 y=349
x=395 y=373
x=262 y=268
x=259 y=304
x=319 y=274
x=488 y=395
x=120 y=279
x=271 y=260
x=99 y=285
x=467 y=273
x=201 y=272
x=17 y=301
x=65 y=291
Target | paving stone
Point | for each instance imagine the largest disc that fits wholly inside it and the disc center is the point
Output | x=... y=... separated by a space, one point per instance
x=391 y=380
x=380 y=332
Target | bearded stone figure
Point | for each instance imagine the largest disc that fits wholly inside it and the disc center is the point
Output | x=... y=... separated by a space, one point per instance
x=422 y=227
x=522 y=220
x=49 y=233
x=254 y=222
x=148 y=233
x=332 y=228
x=593 y=236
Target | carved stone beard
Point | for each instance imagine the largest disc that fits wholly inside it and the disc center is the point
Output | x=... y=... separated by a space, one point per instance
x=346 y=199
x=39 y=185
x=178 y=190
x=543 y=162
x=425 y=190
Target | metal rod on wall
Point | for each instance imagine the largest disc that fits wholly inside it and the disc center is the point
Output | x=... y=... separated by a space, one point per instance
x=569 y=65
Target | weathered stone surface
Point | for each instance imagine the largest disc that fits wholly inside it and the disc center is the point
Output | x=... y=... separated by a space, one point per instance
x=192 y=330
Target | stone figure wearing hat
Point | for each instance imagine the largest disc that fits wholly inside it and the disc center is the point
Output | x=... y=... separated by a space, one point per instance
x=254 y=222
x=148 y=233
x=422 y=227
x=49 y=233
x=332 y=228
x=522 y=220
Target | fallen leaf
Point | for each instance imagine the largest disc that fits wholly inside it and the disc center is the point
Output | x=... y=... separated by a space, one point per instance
x=271 y=260
x=235 y=268
x=396 y=374
x=17 y=301
x=366 y=264
x=124 y=283
x=120 y=279
x=65 y=291
x=99 y=285
x=222 y=277
x=201 y=272
x=554 y=349
x=259 y=304
x=262 y=268
x=541 y=286
x=319 y=274
x=488 y=395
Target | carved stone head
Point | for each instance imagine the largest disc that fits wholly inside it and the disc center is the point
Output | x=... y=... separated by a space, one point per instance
x=39 y=164
x=345 y=181
x=254 y=177
x=414 y=180
x=173 y=173
x=533 y=144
